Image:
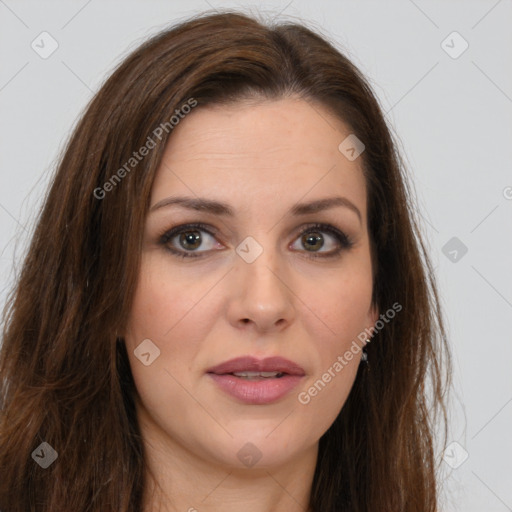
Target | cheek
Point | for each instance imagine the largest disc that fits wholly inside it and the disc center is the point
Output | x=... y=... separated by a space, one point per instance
x=155 y=315
x=343 y=304
x=165 y=310
x=163 y=301
x=173 y=311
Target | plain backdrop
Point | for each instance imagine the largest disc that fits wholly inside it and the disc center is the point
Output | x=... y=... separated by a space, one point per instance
x=449 y=106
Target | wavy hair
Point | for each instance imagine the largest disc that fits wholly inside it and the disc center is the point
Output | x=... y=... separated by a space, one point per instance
x=65 y=377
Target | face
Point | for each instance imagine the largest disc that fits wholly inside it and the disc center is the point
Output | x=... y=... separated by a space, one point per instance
x=260 y=275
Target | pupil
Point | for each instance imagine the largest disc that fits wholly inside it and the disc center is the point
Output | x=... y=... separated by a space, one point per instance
x=314 y=241
x=190 y=239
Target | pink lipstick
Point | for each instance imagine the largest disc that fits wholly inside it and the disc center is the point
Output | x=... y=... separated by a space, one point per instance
x=257 y=381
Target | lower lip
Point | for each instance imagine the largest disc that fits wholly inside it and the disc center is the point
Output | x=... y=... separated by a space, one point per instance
x=256 y=392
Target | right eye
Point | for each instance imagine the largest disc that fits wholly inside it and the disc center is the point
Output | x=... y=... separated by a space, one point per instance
x=183 y=241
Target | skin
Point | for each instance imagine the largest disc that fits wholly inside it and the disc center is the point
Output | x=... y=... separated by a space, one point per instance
x=261 y=158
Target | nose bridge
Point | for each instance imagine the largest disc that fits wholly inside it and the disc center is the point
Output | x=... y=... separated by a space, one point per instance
x=258 y=265
x=261 y=295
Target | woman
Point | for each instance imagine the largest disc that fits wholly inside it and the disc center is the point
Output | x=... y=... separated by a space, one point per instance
x=226 y=300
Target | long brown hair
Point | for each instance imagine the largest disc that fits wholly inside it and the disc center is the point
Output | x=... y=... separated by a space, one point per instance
x=64 y=376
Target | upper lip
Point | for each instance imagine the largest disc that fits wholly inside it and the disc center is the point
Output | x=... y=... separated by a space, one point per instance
x=252 y=364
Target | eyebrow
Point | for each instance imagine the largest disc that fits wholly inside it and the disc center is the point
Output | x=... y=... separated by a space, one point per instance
x=220 y=208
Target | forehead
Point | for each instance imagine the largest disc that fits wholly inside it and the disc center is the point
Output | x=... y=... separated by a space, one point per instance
x=259 y=151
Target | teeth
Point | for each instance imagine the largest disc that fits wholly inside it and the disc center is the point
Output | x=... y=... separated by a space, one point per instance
x=255 y=375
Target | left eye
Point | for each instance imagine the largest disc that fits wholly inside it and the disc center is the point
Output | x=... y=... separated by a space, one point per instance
x=313 y=239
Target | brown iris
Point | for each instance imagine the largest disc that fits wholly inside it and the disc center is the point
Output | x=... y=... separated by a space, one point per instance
x=312 y=240
x=190 y=239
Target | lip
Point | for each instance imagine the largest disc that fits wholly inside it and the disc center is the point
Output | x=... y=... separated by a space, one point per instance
x=257 y=392
x=253 y=364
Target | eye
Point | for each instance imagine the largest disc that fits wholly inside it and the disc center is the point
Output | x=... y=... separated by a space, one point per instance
x=312 y=239
x=184 y=241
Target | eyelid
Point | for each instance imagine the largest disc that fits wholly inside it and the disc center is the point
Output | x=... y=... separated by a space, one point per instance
x=168 y=234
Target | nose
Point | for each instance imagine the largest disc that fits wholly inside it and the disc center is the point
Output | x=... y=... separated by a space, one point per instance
x=261 y=296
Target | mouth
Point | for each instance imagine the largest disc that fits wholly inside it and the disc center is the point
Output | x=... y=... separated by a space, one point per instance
x=255 y=381
x=250 y=367
x=257 y=375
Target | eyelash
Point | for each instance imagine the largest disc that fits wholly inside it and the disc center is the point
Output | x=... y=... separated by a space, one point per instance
x=344 y=241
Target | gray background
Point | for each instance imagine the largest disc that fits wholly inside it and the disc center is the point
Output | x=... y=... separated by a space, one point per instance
x=452 y=117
